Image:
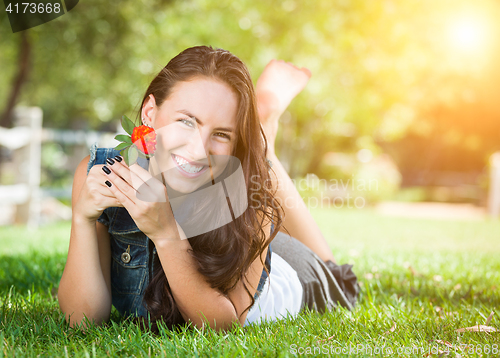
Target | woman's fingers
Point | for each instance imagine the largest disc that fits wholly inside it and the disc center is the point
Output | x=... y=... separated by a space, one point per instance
x=152 y=190
x=140 y=172
x=123 y=171
x=122 y=199
x=95 y=182
x=121 y=190
x=110 y=199
x=148 y=188
x=152 y=184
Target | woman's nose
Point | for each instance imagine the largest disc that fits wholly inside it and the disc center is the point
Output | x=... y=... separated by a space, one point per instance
x=197 y=145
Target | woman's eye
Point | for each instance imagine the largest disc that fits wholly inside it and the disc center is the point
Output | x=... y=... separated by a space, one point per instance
x=223 y=135
x=188 y=122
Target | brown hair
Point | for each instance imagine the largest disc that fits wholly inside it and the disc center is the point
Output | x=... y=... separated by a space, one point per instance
x=223 y=255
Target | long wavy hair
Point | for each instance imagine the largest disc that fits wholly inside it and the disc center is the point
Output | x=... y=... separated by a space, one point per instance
x=223 y=255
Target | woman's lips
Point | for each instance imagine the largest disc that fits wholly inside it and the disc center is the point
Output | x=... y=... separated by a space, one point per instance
x=187 y=168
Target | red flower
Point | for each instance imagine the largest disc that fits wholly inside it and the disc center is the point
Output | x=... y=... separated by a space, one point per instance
x=144 y=138
x=138 y=142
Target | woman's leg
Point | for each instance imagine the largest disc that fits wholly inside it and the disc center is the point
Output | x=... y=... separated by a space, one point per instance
x=279 y=83
x=322 y=291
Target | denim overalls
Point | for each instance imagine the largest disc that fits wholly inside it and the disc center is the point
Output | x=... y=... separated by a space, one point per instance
x=132 y=253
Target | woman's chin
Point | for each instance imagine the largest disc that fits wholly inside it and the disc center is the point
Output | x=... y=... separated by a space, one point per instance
x=182 y=185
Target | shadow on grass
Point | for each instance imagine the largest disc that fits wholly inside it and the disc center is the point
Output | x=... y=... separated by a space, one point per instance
x=34 y=272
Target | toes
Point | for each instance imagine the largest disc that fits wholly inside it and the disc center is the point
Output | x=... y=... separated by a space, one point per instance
x=306 y=71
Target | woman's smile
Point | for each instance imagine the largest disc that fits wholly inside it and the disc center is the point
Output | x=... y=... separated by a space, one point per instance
x=188 y=168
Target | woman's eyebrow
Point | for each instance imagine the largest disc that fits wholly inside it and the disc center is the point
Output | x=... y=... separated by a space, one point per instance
x=189 y=114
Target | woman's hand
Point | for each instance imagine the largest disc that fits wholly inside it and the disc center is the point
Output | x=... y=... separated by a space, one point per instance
x=94 y=196
x=145 y=199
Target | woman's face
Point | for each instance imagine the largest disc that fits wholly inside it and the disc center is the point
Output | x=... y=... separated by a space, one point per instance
x=195 y=130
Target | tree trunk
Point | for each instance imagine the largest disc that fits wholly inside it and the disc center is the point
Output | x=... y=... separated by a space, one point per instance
x=22 y=74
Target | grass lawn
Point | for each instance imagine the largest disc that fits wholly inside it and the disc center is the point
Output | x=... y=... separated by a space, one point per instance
x=421 y=280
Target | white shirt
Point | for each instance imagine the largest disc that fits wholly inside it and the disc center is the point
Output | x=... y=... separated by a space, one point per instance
x=281 y=295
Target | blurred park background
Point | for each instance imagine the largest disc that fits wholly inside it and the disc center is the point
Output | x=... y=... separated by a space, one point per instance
x=403 y=105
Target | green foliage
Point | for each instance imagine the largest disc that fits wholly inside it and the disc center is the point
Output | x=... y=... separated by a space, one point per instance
x=123 y=138
x=131 y=155
x=380 y=68
x=121 y=146
x=54 y=173
x=128 y=126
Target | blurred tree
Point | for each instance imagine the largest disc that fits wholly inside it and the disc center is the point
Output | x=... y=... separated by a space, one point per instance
x=382 y=70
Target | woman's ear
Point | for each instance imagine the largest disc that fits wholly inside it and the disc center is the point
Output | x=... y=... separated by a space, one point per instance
x=149 y=110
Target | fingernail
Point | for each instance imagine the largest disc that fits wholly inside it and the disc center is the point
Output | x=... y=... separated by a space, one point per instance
x=110 y=161
x=108 y=183
x=106 y=170
x=118 y=158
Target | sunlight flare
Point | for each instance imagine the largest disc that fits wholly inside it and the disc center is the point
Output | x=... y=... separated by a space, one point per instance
x=469 y=34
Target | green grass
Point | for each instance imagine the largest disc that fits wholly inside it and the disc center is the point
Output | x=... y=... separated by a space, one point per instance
x=424 y=278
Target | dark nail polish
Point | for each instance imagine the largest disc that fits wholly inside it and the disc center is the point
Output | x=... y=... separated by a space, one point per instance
x=108 y=183
x=110 y=161
x=118 y=158
x=106 y=170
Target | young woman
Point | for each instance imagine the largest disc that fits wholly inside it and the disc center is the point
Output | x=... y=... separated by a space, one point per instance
x=211 y=230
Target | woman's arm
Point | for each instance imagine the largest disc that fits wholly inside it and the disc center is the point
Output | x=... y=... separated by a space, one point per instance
x=197 y=301
x=85 y=287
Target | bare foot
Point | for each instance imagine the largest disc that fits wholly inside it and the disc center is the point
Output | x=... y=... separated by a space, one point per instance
x=278 y=84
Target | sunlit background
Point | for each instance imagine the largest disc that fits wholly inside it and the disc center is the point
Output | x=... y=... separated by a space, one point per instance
x=405 y=93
